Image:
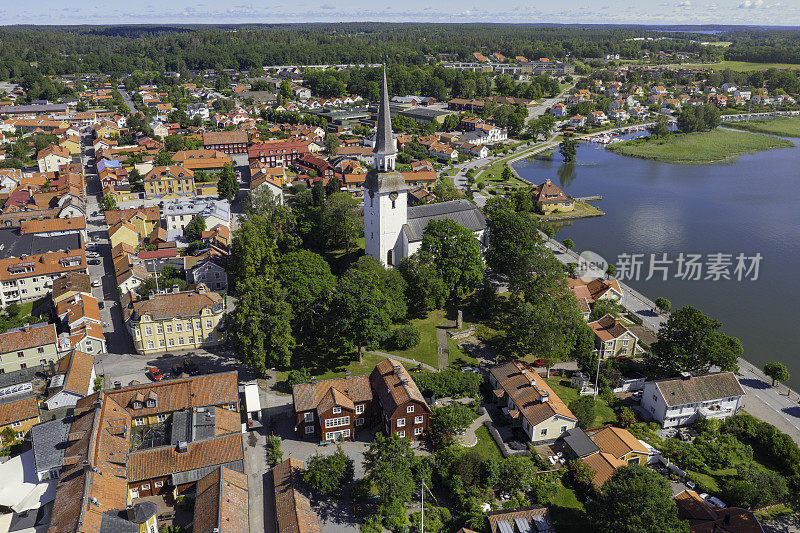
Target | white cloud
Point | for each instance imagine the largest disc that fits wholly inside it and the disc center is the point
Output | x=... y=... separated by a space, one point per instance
x=685 y=3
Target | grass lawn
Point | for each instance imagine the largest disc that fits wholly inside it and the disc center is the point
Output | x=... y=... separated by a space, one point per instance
x=698 y=148
x=603 y=413
x=567 y=511
x=783 y=127
x=426 y=351
x=457 y=358
x=746 y=66
x=339 y=260
x=582 y=209
x=773 y=512
x=337 y=369
x=486 y=445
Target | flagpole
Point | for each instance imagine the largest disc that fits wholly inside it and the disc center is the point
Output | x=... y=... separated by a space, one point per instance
x=422 y=515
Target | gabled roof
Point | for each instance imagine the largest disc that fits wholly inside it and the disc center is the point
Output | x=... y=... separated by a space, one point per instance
x=603 y=465
x=317 y=395
x=167 y=460
x=77 y=369
x=221 y=502
x=609 y=328
x=27 y=337
x=293 y=511
x=462 y=212
x=528 y=391
x=618 y=442
x=15 y=409
x=703 y=518
x=394 y=386
x=548 y=192
x=698 y=389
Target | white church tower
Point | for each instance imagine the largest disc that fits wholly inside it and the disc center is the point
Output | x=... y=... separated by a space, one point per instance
x=385 y=193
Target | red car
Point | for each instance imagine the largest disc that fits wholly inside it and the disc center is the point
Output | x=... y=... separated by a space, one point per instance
x=539 y=362
x=155 y=374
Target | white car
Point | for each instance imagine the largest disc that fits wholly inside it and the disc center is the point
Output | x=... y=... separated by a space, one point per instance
x=92 y=254
x=96 y=283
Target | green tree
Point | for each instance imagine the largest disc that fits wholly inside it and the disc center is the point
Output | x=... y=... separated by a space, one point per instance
x=389 y=463
x=516 y=474
x=194 y=229
x=309 y=284
x=635 y=499
x=660 y=128
x=515 y=244
x=455 y=252
x=689 y=341
x=228 y=185
x=507 y=174
x=360 y=315
x=253 y=250
x=163 y=159
x=329 y=475
x=663 y=304
x=108 y=203
x=569 y=244
x=777 y=371
x=568 y=148
x=332 y=143
x=342 y=221
x=754 y=486
x=583 y=408
x=445 y=423
x=603 y=307
x=425 y=289
x=260 y=325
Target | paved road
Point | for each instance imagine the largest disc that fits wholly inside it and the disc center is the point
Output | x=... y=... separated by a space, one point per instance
x=128 y=100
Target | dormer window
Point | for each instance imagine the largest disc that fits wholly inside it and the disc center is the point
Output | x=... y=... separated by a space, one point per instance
x=137 y=405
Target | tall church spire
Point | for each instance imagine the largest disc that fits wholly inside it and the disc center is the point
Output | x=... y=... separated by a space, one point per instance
x=384 y=151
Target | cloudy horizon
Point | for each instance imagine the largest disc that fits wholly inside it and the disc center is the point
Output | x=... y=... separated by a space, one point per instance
x=648 y=12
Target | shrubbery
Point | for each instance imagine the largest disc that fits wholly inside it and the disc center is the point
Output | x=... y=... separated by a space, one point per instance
x=450 y=383
x=768 y=440
x=404 y=337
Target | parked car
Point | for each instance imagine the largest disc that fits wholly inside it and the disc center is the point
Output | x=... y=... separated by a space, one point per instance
x=96 y=283
x=539 y=362
x=101 y=304
x=155 y=374
x=636 y=396
x=92 y=254
x=93 y=261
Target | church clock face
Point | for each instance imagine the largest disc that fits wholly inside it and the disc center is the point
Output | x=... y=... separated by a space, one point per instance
x=393 y=196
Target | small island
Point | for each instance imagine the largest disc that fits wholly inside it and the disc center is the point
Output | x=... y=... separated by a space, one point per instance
x=783 y=127
x=698 y=141
x=698 y=148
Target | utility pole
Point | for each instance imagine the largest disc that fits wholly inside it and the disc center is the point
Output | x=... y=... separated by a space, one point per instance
x=422 y=514
x=597 y=375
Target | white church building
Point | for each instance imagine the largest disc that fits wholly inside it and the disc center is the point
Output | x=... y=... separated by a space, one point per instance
x=392 y=230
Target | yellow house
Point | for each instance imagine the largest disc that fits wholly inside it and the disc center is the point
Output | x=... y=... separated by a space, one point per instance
x=18 y=416
x=206 y=188
x=123 y=232
x=622 y=445
x=604 y=450
x=28 y=347
x=71 y=143
x=175 y=321
x=169 y=182
x=549 y=198
x=612 y=338
x=121 y=193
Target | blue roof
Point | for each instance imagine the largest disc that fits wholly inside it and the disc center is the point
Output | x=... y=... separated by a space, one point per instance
x=107 y=163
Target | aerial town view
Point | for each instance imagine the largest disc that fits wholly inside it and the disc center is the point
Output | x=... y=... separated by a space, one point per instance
x=524 y=267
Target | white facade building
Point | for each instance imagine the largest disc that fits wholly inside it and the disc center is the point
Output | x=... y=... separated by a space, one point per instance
x=682 y=401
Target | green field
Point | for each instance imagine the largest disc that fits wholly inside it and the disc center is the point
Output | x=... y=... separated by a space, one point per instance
x=582 y=209
x=783 y=127
x=739 y=66
x=486 y=445
x=698 y=148
x=426 y=351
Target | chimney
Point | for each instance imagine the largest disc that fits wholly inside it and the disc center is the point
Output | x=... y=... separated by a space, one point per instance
x=346 y=374
x=183 y=447
x=686 y=376
x=313 y=380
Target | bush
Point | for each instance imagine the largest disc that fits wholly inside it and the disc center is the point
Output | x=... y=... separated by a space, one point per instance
x=754 y=487
x=583 y=409
x=450 y=383
x=626 y=417
x=767 y=440
x=296 y=377
x=683 y=454
x=404 y=337
x=274 y=452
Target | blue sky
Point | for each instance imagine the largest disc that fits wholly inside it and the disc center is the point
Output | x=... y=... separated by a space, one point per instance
x=766 y=12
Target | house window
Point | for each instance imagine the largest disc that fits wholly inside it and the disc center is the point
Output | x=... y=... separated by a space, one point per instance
x=138 y=421
x=159 y=484
x=401 y=422
x=150 y=344
x=169 y=328
x=172 y=342
x=160 y=343
x=16 y=424
x=20 y=354
x=23 y=366
x=623 y=351
x=543 y=432
x=359 y=421
x=309 y=430
x=20 y=434
x=359 y=409
x=410 y=409
x=148 y=331
x=418 y=420
x=208 y=324
x=337 y=410
x=146 y=486
x=308 y=417
x=40 y=349
x=180 y=340
x=179 y=327
x=417 y=431
x=336 y=422
x=625 y=342
x=160 y=329
x=563 y=429
x=401 y=434
x=162 y=417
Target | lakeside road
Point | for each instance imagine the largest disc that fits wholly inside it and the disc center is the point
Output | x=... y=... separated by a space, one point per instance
x=761 y=399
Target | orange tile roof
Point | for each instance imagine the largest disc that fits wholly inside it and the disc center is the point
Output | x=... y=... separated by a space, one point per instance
x=526 y=388
x=308 y=396
x=608 y=328
x=618 y=442
x=221 y=502
x=603 y=465
x=77 y=369
x=44 y=264
x=18 y=410
x=176 y=304
x=394 y=386
x=80 y=306
x=166 y=460
x=293 y=510
x=28 y=337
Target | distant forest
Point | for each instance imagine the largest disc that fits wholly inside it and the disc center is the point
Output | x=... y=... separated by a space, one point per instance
x=118 y=49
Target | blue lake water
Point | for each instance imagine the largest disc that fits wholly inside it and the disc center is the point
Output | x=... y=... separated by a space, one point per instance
x=749 y=206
